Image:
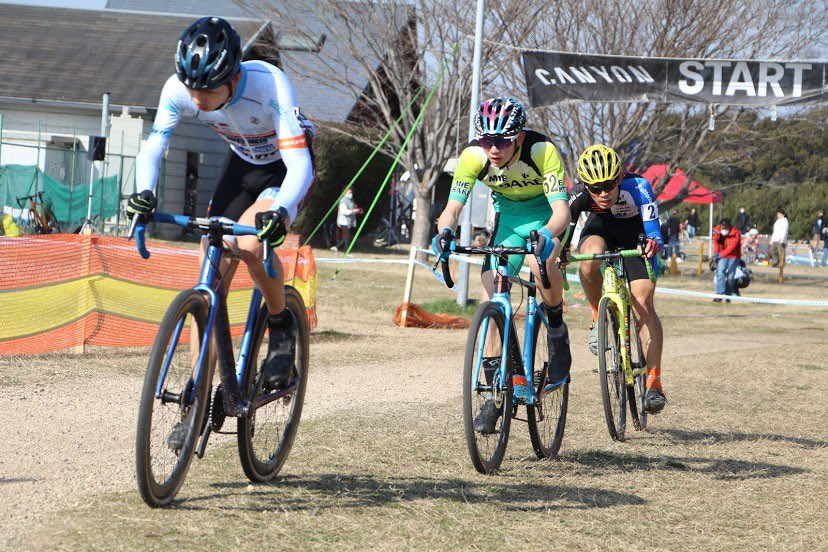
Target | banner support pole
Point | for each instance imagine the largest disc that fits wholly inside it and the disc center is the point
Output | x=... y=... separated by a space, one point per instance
x=465 y=215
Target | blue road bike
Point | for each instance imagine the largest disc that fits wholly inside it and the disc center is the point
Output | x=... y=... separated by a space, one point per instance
x=193 y=336
x=493 y=331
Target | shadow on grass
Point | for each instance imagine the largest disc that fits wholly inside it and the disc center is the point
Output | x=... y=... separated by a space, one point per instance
x=364 y=491
x=717 y=437
x=720 y=468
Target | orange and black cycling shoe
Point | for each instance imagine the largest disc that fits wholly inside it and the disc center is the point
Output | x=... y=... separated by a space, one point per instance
x=654 y=399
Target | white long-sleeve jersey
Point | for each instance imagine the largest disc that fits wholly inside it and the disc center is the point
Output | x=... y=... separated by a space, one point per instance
x=261 y=122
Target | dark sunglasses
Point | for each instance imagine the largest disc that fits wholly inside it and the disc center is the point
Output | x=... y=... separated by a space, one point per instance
x=500 y=142
x=606 y=186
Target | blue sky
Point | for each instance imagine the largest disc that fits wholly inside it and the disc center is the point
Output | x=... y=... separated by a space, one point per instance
x=77 y=4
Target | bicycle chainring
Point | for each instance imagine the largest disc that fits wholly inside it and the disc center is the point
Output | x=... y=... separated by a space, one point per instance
x=217 y=413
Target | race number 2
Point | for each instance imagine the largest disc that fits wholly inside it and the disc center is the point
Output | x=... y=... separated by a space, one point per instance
x=649 y=211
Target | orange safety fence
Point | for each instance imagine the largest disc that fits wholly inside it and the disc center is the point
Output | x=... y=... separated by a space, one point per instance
x=66 y=290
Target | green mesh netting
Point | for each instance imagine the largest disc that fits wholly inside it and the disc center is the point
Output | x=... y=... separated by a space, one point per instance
x=68 y=204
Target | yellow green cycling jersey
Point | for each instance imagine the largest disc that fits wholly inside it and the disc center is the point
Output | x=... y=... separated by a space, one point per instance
x=537 y=172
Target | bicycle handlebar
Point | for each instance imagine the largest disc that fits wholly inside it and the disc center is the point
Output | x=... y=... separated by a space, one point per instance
x=611 y=256
x=22 y=199
x=497 y=250
x=213 y=225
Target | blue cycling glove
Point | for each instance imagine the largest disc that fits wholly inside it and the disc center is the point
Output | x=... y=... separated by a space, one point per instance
x=446 y=236
x=546 y=243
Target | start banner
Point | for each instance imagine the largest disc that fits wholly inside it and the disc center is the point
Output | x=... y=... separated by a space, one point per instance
x=553 y=77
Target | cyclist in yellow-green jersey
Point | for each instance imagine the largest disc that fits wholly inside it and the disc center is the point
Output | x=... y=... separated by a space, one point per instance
x=524 y=170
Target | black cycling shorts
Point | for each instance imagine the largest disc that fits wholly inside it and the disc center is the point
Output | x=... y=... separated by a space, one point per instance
x=240 y=185
x=618 y=234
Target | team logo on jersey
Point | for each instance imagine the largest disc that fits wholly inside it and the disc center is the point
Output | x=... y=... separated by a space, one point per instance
x=255 y=120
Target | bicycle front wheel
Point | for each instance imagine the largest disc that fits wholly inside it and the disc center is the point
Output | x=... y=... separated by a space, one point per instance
x=486 y=397
x=637 y=391
x=613 y=388
x=266 y=434
x=547 y=417
x=171 y=413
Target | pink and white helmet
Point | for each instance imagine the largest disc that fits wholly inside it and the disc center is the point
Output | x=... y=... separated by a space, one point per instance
x=500 y=117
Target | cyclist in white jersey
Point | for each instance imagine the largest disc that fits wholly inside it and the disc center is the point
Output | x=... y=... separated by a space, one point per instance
x=252 y=106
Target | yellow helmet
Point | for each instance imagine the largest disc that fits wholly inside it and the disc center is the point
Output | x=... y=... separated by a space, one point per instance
x=597 y=164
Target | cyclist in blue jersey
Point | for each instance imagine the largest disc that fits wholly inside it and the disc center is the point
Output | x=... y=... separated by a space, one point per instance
x=268 y=171
x=621 y=206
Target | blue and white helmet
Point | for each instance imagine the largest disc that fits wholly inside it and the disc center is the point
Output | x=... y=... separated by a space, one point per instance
x=500 y=117
x=209 y=54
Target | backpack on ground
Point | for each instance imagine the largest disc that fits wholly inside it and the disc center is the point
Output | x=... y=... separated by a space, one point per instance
x=742 y=275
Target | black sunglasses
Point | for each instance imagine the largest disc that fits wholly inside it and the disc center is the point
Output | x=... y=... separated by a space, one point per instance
x=606 y=186
x=500 y=142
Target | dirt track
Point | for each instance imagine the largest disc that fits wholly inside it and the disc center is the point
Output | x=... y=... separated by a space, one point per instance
x=68 y=432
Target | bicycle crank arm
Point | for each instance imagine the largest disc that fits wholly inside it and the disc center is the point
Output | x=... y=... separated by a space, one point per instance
x=205 y=436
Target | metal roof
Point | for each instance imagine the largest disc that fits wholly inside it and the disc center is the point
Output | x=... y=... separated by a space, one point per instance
x=74 y=56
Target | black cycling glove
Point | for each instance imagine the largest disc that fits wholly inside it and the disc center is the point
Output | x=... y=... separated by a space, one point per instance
x=141 y=204
x=271 y=226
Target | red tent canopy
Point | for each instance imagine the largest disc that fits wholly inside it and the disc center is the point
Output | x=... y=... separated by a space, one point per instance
x=696 y=193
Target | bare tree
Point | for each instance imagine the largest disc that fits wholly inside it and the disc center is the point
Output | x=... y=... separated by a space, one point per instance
x=663 y=133
x=382 y=54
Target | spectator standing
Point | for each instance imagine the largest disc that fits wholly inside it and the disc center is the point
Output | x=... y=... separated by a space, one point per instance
x=346 y=220
x=816 y=232
x=742 y=221
x=779 y=237
x=693 y=223
x=727 y=250
x=825 y=246
x=673 y=230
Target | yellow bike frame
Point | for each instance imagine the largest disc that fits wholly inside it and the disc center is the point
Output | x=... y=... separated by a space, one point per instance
x=615 y=288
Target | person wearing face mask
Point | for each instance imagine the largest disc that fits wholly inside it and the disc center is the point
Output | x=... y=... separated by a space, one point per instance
x=727 y=250
x=346 y=220
x=742 y=222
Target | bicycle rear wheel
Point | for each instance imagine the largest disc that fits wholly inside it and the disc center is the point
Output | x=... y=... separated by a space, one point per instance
x=547 y=417
x=637 y=391
x=170 y=422
x=266 y=434
x=613 y=389
x=486 y=449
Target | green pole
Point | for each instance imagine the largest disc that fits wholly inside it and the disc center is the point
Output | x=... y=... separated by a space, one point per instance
x=72 y=172
x=5 y=188
x=37 y=168
x=120 y=187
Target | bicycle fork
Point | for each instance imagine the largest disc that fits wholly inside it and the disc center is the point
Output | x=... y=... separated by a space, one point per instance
x=618 y=295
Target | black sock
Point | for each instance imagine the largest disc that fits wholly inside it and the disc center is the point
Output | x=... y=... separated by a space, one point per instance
x=281 y=321
x=555 y=314
x=490 y=366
